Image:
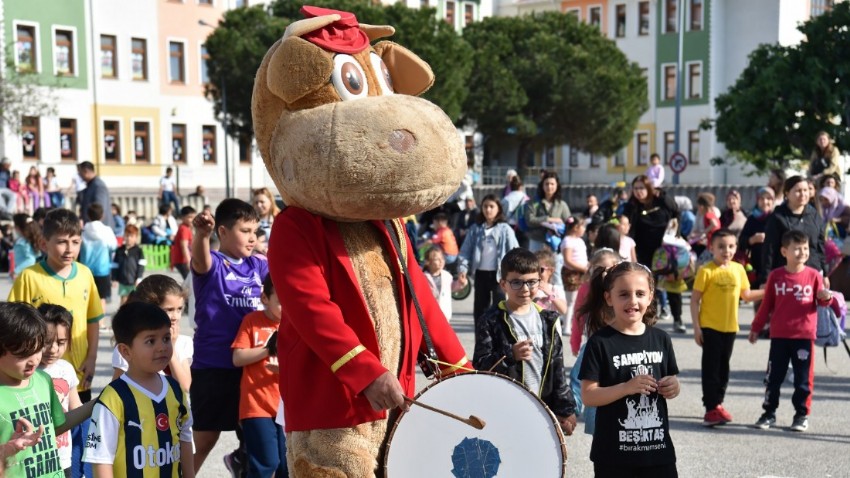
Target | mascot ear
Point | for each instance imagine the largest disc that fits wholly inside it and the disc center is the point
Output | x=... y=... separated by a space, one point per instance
x=411 y=76
x=298 y=67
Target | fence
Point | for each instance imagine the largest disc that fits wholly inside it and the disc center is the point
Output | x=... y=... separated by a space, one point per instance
x=157 y=258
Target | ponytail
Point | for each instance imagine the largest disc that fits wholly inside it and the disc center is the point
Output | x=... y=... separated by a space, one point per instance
x=594 y=307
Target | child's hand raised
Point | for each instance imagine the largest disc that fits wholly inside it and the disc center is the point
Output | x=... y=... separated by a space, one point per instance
x=522 y=350
x=204 y=224
x=668 y=387
x=643 y=384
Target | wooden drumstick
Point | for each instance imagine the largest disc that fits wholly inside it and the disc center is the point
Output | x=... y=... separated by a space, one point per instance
x=472 y=421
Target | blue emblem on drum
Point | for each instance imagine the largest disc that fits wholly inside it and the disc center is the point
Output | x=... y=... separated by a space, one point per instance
x=475 y=458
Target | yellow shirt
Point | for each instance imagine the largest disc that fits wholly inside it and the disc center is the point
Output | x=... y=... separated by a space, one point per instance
x=39 y=284
x=721 y=289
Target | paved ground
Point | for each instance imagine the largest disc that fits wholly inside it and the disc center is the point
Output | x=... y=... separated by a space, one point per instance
x=734 y=450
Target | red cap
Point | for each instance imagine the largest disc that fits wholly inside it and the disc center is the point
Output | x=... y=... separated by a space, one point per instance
x=341 y=36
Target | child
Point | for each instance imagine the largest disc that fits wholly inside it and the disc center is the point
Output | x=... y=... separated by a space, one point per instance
x=706 y=223
x=168 y=295
x=99 y=244
x=181 y=250
x=163 y=226
x=673 y=283
x=143 y=409
x=128 y=263
x=790 y=307
x=520 y=339
x=27 y=396
x=627 y=244
x=601 y=260
x=620 y=375
x=439 y=279
x=549 y=296
x=52 y=188
x=35 y=188
x=444 y=238
x=253 y=349
x=261 y=249
x=26 y=248
x=227 y=286
x=60 y=280
x=714 y=309
x=574 y=250
x=62 y=373
x=655 y=171
x=21 y=192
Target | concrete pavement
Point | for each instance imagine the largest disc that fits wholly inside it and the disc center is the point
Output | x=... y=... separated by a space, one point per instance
x=734 y=450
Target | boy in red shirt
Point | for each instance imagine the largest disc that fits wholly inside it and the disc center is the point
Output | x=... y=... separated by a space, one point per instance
x=182 y=246
x=444 y=238
x=254 y=349
x=790 y=306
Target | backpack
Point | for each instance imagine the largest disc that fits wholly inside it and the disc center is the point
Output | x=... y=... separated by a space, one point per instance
x=518 y=216
x=673 y=258
x=830 y=328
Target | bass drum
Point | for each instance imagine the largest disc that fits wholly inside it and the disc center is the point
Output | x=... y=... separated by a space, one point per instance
x=521 y=436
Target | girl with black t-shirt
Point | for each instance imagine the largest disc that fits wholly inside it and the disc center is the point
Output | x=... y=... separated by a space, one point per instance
x=629 y=372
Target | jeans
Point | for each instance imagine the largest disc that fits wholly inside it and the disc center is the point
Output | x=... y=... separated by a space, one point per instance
x=169 y=197
x=716 y=353
x=57 y=199
x=575 y=384
x=8 y=199
x=265 y=443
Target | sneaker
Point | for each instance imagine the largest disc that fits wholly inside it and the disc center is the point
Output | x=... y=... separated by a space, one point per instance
x=679 y=327
x=713 y=418
x=724 y=413
x=233 y=465
x=766 y=421
x=665 y=314
x=801 y=423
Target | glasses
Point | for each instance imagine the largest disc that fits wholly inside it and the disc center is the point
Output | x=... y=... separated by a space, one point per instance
x=517 y=284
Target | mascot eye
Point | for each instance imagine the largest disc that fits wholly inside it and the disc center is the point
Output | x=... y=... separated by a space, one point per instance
x=349 y=79
x=383 y=74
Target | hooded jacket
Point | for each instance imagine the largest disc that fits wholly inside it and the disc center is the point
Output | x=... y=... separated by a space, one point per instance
x=783 y=220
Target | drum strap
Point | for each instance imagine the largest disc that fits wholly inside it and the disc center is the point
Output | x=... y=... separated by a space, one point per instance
x=427 y=360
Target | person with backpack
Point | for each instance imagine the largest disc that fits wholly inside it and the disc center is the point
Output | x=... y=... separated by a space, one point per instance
x=549 y=207
x=513 y=205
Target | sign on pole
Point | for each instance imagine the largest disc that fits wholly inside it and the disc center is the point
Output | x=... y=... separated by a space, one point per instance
x=678 y=162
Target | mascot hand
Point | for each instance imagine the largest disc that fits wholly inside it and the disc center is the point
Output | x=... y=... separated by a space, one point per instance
x=385 y=393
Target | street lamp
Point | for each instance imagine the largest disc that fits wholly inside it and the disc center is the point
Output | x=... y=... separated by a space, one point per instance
x=224 y=124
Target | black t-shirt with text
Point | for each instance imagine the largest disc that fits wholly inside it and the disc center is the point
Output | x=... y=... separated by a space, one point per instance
x=634 y=430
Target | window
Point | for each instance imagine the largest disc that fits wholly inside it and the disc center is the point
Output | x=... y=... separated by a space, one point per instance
x=423 y=4
x=575 y=12
x=208 y=144
x=670 y=82
x=68 y=139
x=176 y=71
x=468 y=14
x=63 y=53
x=140 y=59
x=820 y=7
x=241 y=3
x=594 y=161
x=643 y=18
x=25 y=53
x=595 y=16
x=573 y=157
x=205 y=2
x=693 y=147
x=112 y=141
x=620 y=158
x=669 y=145
x=142 y=142
x=469 y=146
x=245 y=149
x=671 y=13
x=108 y=58
x=621 y=21
x=205 y=61
x=695 y=80
x=642 y=148
x=30 y=137
x=450 y=13
x=696 y=15
x=178 y=143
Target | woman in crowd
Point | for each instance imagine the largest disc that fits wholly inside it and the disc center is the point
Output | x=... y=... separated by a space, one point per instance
x=265 y=206
x=733 y=218
x=649 y=212
x=549 y=207
x=752 y=235
x=824 y=158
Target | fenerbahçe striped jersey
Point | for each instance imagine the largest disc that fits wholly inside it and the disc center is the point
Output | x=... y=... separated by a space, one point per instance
x=39 y=284
x=137 y=432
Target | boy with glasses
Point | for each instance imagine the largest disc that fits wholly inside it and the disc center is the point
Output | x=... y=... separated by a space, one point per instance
x=520 y=339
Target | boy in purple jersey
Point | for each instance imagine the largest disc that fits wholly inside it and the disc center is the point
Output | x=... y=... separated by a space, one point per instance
x=227 y=284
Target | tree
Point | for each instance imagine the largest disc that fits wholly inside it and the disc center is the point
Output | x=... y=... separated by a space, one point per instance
x=419 y=30
x=21 y=95
x=786 y=95
x=236 y=49
x=549 y=78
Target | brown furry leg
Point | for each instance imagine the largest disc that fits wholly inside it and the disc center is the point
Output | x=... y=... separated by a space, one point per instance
x=336 y=453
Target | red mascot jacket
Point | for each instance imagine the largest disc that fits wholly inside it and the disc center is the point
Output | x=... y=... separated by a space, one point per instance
x=327 y=346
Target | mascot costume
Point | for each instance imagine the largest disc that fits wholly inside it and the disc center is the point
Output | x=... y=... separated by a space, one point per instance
x=351 y=149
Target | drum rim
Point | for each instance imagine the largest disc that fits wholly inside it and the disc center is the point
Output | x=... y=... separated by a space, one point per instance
x=552 y=417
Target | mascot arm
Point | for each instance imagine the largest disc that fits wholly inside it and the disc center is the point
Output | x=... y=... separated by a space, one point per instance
x=448 y=347
x=298 y=271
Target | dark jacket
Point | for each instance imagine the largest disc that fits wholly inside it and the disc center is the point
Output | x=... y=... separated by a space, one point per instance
x=753 y=226
x=96 y=192
x=494 y=338
x=783 y=220
x=128 y=265
x=649 y=224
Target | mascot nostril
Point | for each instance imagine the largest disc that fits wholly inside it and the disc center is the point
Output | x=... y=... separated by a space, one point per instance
x=338 y=256
x=402 y=140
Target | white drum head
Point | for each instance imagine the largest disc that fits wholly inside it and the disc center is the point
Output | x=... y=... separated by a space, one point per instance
x=521 y=436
